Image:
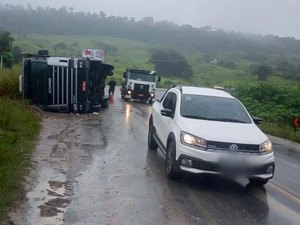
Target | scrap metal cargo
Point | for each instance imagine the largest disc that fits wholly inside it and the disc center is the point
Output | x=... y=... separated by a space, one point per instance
x=65 y=84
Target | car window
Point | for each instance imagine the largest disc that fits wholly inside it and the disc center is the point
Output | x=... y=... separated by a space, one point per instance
x=170 y=101
x=173 y=101
x=162 y=98
x=213 y=108
x=167 y=100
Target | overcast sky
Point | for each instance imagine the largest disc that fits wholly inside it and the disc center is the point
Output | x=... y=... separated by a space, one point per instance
x=279 y=17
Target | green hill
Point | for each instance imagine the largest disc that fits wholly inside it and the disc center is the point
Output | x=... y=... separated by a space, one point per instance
x=123 y=53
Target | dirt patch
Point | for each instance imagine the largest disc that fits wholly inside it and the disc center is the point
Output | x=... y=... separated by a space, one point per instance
x=54 y=194
x=56 y=184
x=49 y=211
x=59 y=202
x=65 y=148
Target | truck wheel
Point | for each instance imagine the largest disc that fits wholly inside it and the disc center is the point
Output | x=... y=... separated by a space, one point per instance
x=258 y=181
x=152 y=145
x=172 y=167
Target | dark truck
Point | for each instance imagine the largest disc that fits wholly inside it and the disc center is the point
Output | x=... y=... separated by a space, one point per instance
x=65 y=84
x=139 y=84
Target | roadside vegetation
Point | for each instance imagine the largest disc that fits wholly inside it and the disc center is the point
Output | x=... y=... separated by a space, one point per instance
x=19 y=126
x=276 y=105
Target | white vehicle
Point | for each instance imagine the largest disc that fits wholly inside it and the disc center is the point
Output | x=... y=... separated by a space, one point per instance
x=139 y=84
x=204 y=130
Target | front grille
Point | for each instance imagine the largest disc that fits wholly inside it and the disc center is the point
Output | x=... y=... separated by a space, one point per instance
x=225 y=146
x=141 y=88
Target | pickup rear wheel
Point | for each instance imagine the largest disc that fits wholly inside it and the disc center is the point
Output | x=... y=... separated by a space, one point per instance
x=172 y=167
x=151 y=141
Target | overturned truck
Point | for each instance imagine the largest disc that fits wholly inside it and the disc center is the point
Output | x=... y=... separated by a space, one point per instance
x=65 y=84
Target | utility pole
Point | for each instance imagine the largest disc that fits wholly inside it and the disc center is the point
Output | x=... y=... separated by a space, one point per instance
x=1 y=62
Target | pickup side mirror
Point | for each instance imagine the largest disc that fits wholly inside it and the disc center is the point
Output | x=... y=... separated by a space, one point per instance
x=167 y=113
x=257 y=120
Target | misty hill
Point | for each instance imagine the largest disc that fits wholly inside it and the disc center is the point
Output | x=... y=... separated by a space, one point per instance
x=24 y=20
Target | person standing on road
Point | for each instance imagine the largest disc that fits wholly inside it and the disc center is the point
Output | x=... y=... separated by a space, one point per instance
x=112 y=84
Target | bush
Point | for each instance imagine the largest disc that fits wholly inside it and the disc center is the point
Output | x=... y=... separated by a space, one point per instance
x=274 y=104
x=9 y=81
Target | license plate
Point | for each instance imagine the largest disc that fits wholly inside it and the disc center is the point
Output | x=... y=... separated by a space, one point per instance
x=140 y=95
x=232 y=161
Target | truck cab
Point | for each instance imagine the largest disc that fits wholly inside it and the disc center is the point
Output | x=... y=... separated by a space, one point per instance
x=139 y=84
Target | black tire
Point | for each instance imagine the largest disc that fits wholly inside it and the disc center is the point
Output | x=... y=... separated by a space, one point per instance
x=172 y=167
x=150 y=102
x=152 y=145
x=258 y=181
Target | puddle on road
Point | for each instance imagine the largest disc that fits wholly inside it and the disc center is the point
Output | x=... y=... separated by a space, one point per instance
x=48 y=203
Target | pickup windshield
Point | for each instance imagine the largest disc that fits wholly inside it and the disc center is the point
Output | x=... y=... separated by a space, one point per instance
x=142 y=77
x=213 y=108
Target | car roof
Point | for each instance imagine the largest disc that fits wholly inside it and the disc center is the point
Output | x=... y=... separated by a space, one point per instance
x=205 y=91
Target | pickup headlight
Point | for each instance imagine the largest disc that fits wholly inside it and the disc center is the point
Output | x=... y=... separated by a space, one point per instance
x=265 y=147
x=193 y=141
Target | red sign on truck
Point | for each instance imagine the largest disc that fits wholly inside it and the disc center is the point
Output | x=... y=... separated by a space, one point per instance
x=94 y=54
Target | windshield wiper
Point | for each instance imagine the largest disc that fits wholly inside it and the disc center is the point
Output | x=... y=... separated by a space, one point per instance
x=195 y=117
x=227 y=120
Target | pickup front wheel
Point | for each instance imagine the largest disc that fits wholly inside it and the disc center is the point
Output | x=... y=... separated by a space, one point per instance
x=172 y=167
x=151 y=142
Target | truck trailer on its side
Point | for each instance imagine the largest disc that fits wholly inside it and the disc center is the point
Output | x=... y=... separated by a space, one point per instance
x=65 y=84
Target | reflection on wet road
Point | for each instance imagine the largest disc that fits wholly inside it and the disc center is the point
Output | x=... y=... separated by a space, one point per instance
x=115 y=180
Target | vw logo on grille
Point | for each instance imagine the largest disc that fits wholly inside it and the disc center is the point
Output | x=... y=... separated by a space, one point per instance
x=234 y=148
x=141 y=86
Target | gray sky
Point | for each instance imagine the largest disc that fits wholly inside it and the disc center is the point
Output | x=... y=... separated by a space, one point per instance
x=279 y=17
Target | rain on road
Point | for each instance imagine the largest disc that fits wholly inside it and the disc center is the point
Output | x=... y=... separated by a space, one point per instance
x=96 y=169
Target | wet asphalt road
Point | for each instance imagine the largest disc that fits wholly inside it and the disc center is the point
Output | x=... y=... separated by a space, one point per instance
x=96 y=169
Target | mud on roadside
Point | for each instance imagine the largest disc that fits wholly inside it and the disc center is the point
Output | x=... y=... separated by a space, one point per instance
x=65 y=147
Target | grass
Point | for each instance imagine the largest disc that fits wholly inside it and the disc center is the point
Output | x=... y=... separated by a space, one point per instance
x=281 y=130
x=9 y=81
x=18 y=129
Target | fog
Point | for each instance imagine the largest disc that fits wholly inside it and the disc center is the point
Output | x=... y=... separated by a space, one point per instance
x=278 y=17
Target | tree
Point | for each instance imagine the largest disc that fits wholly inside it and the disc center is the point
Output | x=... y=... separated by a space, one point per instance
x=170 y=63
x=17 y=54
x=6 y=42
x=262 y=71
